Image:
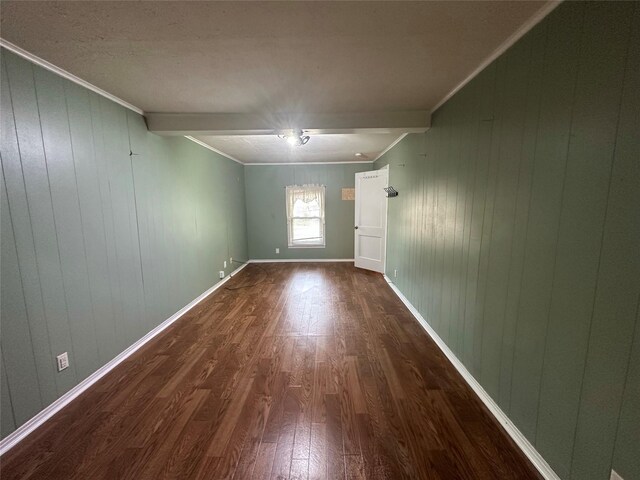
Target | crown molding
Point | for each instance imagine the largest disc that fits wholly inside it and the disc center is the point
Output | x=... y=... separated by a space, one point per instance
x=64 y=74
x=419 y=121
x=545 y=10
x=393 y=144
x=209 y=147
x=269 y=164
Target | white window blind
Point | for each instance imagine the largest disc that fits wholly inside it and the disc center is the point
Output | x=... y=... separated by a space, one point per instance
x=305 y=215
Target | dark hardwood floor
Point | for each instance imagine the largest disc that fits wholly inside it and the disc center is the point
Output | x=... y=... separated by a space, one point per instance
x=316 y=371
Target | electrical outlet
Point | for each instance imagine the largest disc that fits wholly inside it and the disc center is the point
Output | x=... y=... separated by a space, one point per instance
x=277 y=250
x=221 y=273
x=63 y=361
x=225 y=264
x=395 y=273
x=231 y=260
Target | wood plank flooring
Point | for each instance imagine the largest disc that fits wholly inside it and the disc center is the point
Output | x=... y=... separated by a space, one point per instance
x=309 y=371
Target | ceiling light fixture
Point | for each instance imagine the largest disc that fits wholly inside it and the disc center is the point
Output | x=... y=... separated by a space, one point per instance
x=361 y=155
x=295 y=138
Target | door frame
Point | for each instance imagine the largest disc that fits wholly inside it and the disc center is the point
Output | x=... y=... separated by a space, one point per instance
x=386 y=220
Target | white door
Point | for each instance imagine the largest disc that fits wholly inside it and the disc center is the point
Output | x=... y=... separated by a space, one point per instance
x=371 y=219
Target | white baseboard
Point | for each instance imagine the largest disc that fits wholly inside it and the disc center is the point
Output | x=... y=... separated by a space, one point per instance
x=33 y=423
x=615 y=476
x=300 y=260
x=527 y=448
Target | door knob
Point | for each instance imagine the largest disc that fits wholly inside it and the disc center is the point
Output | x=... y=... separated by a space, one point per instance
x=356 y=227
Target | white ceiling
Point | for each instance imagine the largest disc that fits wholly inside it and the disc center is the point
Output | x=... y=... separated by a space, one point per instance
x=321 y=148
x=270 y=57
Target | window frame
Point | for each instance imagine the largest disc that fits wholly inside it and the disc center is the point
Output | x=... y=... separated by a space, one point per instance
x=291 y=243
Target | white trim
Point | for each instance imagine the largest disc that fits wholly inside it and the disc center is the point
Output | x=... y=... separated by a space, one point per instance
x=312 y=123
x=386 y=223
x=527 y=448
x=32 y=424
x=300 y=260
x=63 y=73
x=615 y=475
x=361 y=162
x=209 y=147
x=545 y=10
x=393 y=144
x=363 y=261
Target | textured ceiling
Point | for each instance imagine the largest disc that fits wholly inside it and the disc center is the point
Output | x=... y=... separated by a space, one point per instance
x=266 y=57
x=321 y=148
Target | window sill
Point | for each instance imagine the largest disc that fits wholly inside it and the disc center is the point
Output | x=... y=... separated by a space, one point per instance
x=307 y=246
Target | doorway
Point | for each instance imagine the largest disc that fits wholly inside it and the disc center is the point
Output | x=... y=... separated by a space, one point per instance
x=371 y=220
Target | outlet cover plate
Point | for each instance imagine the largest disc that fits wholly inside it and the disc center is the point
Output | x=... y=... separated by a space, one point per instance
x=63 y=361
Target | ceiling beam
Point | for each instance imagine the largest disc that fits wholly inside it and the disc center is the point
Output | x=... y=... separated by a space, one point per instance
x=269 y=124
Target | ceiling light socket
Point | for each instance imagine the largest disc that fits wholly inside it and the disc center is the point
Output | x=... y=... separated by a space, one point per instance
x=295 y=137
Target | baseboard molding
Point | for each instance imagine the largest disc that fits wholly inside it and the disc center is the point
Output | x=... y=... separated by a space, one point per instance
x=32 y=424
x=527 y=448
x=300 y=260
x=615 y=476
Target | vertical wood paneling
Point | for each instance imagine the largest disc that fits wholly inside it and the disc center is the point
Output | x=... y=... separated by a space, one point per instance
x=463 y=211
x=560 y=72
x=21 y=223
x=470 y=137
x=486 y=80
x=424 y=262
x=499 y=125
x=147 y=201
x=125 y=235
x=83 y=223
x=17 y=347
x=78 y=102
x=499 y=256
x=67 y=220
x=626 y=460
x=439 y=233
x=7 y=422
x=546 y=185
x=518 y=239
x=615 y=306
x=450 y=230
x=40 y=215
x=595 y=115
x=621 y=233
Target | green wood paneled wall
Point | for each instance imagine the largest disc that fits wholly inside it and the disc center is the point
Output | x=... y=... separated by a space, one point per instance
x=98 y=246
x=516 y=234
x=266 y=215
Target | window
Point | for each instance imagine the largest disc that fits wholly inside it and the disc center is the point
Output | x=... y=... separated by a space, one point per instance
x=305 y=215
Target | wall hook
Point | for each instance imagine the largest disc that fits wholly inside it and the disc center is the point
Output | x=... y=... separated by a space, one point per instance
x=391 y=192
